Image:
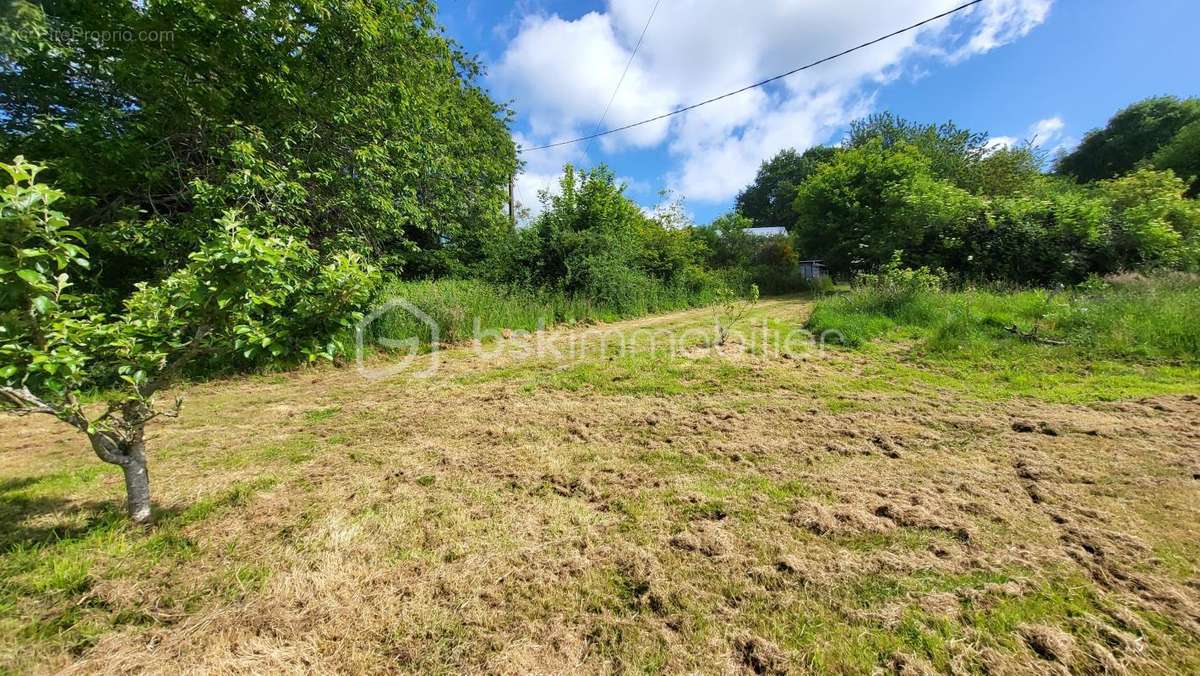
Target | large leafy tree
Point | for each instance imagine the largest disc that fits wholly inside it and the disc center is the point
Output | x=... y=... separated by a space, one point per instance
x=768 y=200
x=353 y=124
x=1132 y=135
x=874 y=199
x=1003 y=171
x=958 y=155
x=1182 y=156
x=949 y=149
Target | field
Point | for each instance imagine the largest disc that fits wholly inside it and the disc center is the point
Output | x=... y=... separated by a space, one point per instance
x=648 y=507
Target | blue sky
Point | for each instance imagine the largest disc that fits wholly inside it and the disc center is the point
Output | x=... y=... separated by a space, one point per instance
x=1012 y=68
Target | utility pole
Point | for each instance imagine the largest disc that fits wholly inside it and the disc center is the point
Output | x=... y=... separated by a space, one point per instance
x=512 y=206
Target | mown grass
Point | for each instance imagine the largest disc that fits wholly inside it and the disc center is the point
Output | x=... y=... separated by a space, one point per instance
x=536 y=497
x=60 y=565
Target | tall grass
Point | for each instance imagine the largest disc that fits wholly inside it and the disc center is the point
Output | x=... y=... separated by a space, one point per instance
x=1128 y=317
x=1137 y=316
x=461 y=307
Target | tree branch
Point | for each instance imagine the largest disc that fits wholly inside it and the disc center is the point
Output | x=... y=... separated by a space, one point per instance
x=105 y=448
x=168 y=372
x=24 y=402
x=1032 y=336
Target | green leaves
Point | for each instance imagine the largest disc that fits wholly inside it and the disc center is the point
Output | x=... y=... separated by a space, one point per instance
x=259 y=299
x=242 y=300
x=1182 y=156
x=21 y=171
x=1133 y=135
x=768 y=200
x=36 y=249
x=42 y=304
x=355 y=126
x=883 y=193
x=1151 y=224
x=872 y=199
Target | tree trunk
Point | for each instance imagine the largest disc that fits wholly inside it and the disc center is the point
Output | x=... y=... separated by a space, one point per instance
x=128 y=451
x=137 y=484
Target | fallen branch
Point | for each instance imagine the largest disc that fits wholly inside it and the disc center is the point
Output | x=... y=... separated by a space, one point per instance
x=1033 y=336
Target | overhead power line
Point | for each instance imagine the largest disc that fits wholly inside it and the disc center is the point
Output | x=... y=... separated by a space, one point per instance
x=769 y=80
x=627 y=65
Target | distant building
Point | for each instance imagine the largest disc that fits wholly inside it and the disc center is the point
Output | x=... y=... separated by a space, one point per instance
x=812 y=269
x=769 y=231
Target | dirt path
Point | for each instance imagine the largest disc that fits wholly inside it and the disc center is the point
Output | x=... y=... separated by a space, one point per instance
x=625 y=510
x=565 y=344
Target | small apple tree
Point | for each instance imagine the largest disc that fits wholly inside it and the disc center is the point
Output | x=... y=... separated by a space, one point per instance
x=729 y=309
x=241 y=301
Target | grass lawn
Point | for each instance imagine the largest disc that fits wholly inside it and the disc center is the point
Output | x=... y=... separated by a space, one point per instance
x=663 y=507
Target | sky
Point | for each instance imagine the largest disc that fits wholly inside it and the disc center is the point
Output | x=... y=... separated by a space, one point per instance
x=1041 y=70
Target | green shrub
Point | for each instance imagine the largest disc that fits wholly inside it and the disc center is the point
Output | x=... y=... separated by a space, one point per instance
x=611 y=284
x=879 y=301
x=1152 y=226
x=949 y=201
x=591 y=241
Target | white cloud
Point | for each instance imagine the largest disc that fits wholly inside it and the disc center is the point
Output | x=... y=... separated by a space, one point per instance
x=1002 y=22
x=1046 y=131
x=1047 y=134
x=564 y=73
x=713 y=168
x=1001 y=143
x=561 y=74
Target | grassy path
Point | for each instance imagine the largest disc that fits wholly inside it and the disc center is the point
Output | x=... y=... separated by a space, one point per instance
x=643 y=506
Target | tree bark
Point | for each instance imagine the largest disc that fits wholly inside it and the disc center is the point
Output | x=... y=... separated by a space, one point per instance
x=130 y=456
x=137 y=485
